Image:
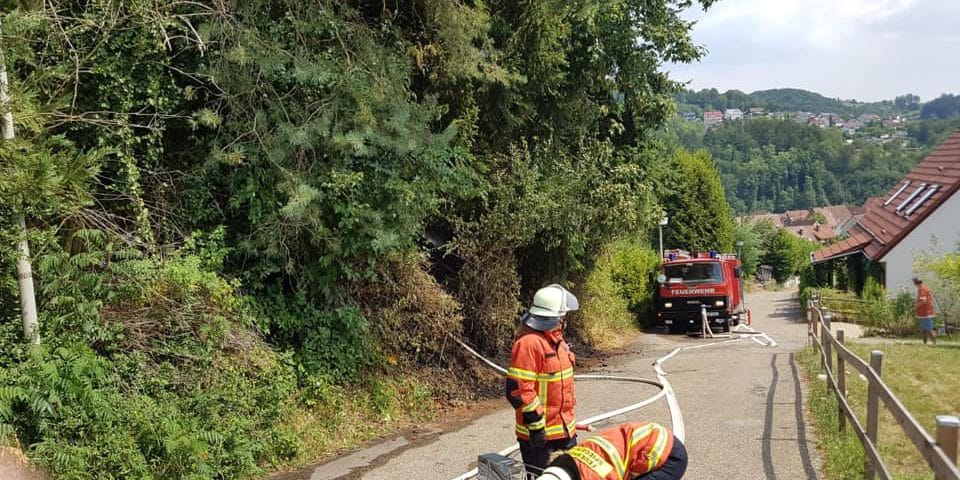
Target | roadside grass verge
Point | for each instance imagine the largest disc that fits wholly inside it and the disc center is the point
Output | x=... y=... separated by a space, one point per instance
x=927 y=381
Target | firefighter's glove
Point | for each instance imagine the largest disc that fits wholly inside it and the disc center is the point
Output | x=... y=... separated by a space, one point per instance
x=538 y=438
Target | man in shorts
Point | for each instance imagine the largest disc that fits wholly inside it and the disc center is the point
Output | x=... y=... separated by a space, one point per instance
x=925 y=312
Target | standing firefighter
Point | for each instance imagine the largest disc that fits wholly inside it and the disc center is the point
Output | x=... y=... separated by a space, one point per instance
x=925 y=311
x=539 y=383
x=632 y=451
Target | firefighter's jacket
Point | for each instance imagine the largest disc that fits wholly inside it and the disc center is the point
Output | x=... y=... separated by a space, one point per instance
x=623 y=453
x=539 y=384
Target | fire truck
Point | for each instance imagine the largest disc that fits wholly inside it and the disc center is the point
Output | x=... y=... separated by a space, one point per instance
x=689 y=282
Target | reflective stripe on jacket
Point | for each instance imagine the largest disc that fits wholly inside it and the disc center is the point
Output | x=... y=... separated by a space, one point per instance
x=624 y=452
x=924 y=302
x=539 y=385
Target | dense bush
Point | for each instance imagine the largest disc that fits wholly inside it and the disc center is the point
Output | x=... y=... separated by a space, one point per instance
x=881 y=314
x=148 y=369
x=618 y=291
x=224 y=201
x=787 y=254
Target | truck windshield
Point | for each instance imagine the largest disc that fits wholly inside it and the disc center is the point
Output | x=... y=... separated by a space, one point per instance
x=706 y=272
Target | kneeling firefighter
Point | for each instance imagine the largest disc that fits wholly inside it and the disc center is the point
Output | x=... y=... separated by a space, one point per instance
x=632 y=451
x=539 y=383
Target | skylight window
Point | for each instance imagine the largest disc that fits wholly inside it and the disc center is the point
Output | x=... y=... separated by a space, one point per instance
x=912 y=196
x=895 y=195
x=926 y=196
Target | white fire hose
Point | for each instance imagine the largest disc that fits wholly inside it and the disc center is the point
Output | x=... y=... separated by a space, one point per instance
x=666 y=389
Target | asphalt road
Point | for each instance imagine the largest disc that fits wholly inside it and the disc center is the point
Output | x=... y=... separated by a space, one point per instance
x=742 y=405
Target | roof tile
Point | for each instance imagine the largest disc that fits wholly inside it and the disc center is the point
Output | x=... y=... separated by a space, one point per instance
x=884 y=225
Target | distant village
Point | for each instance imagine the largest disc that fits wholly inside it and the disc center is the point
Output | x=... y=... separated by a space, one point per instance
x=821 y=224
x=875 y=128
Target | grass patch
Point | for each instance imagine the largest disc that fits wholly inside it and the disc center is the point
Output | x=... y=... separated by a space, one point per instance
x=925 y=379
x=329 y=419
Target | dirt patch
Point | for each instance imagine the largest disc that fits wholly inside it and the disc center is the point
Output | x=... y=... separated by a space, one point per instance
x=15 y=466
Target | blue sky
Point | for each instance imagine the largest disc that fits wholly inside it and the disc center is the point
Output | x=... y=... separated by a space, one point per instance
x=863 y=49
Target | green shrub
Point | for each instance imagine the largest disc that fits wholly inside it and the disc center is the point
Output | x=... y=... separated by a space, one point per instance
x=616 y=290
x=149 y=369
x=883 y=315
x=634 y=266
x=410 y=313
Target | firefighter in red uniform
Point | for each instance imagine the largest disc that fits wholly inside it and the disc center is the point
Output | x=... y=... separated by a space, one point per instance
x=632 y=451
x=539 y=383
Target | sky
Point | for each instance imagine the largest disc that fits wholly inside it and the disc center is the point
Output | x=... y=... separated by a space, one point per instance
x=866 y=50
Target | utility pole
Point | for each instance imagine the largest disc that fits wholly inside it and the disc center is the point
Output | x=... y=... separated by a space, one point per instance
x=28 y=302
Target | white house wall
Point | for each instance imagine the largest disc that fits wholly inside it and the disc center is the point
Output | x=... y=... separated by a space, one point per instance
x=943 y=225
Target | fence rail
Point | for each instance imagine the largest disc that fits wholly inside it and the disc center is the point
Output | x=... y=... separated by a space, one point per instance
x=940 y=454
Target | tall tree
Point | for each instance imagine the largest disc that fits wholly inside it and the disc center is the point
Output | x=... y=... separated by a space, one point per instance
x=693 y=199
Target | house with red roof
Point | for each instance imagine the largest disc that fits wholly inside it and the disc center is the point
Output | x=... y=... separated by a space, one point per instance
x=712 y=117
x=919 y=214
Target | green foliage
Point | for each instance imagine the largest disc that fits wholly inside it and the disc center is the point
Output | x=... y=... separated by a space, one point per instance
x=944 y=106
x=410 y=313
x=174 y=153
x=693 y=201
x=782 y=100
x=147 y=371
x=778 y=165
x=755 y=236
x=843 y=452
x=332 y=342
x=84 y=414
x=881 y=314
x=617 y=291
x=787 y=254
x=634 y=266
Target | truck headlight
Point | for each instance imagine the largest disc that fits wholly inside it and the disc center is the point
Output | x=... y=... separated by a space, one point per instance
x=719 y=303
x=668 y=305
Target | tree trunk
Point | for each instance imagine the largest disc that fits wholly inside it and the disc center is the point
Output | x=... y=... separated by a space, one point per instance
x=28 y=302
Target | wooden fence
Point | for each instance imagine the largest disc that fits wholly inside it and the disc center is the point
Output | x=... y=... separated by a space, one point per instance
x=940 y=453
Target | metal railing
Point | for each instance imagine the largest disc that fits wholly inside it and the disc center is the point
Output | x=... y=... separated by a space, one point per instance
x=940 y=454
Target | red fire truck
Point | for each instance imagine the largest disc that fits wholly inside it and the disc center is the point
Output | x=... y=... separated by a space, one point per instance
x=689 y=282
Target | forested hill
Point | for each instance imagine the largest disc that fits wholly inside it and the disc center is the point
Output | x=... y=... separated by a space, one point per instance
x=788 y=100
x=778 y=165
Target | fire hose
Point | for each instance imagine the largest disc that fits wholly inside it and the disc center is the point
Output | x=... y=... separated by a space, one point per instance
x=666 y=389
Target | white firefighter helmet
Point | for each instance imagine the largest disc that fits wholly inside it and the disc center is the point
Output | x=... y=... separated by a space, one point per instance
x=549 y=304
x=554 y=473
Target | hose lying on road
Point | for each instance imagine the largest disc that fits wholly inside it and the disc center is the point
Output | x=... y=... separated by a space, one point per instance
x=666 y=389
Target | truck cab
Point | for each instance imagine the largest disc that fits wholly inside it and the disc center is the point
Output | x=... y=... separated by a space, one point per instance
x=689 y=282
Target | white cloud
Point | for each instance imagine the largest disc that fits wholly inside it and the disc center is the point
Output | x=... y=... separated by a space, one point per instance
x=865 y=49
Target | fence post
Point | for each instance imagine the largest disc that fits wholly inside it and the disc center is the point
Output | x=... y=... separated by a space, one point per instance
x=827 y=344
x=947 y=431
x=873 y=410
x=841 y=383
